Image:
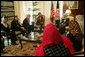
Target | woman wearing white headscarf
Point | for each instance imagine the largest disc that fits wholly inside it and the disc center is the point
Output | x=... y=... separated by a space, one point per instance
x=4 y=30
x=4 y=24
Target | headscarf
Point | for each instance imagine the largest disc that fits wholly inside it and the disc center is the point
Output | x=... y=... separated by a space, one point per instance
x=2 y=21
x=50 y=37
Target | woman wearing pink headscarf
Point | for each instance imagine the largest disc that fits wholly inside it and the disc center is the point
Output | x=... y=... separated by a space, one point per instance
x=53 y=44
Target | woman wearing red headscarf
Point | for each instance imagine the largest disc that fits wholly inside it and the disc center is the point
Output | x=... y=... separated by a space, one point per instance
x=53 y=44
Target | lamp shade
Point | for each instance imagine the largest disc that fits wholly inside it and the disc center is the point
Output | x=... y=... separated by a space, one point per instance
x=68 y=11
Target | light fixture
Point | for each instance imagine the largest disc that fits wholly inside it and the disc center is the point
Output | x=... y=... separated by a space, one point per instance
x=68 y=12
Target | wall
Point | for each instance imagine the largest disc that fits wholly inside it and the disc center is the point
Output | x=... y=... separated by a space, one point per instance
x=80 y=10
x=20 y=9
x=45 y=8
x=17 y=9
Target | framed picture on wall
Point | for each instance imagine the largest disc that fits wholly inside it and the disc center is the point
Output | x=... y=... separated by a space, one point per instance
x=72 y=4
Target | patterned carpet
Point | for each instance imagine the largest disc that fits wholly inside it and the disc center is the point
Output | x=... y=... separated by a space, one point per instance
x=27 y=50
x=15 y=50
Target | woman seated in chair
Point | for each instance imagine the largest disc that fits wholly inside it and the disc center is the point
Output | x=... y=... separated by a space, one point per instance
x=40 y=20
x=4 y=31
x=15 y=26
x=53 y=43
x=27 y=26
x=75 y=34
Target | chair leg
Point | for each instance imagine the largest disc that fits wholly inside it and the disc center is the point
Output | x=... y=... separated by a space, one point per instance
x=20 y=42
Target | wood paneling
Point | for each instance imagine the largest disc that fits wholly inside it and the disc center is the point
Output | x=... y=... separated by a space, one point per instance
x=79 y=11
